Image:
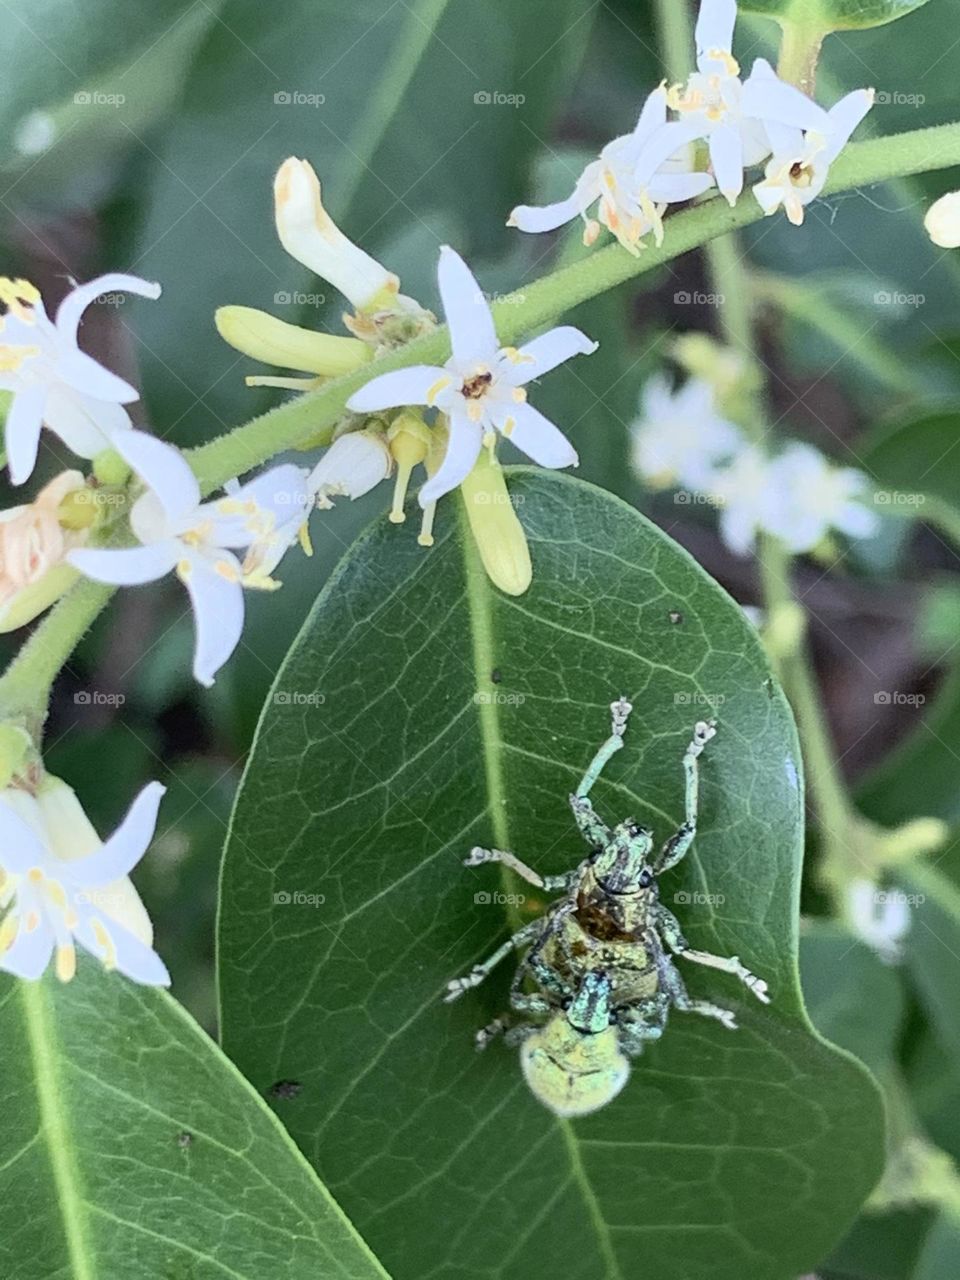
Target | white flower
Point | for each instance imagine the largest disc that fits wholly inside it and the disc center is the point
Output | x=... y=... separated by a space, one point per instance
x=197 y=540
x=880 y=919
x=353 y=465
x=807 y=497
x=52 y=380
x=731 y=114
x=797 y=171
x=740 y=491
x=632 y=180
x=59 y=885
x=481 y=387
x=679 y=437
x=943 y=221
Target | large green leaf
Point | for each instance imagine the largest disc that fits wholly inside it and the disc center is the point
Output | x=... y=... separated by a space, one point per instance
x=131 y=1147
x=419 y=713
x=832 y=15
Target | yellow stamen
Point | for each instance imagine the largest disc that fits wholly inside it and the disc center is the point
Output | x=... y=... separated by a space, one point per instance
x=66 y=963
x=8 y=932
x=227 y=570
x=105 y=942
x=12 y=358
x=440 y=385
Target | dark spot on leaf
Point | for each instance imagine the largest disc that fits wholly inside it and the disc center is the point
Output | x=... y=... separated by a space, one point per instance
x=285 y=1089
x=184 y=1139
x=496 y=675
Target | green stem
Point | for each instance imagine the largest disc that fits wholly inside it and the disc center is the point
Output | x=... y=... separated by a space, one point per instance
x=25 y=685
x=799 y=54
x=309 y=416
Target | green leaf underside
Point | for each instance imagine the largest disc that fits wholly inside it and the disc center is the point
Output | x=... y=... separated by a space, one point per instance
x=133 y=1148
x=451 y=716
x=832 y=15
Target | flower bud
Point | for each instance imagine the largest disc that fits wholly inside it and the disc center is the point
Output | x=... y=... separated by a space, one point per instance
x=33 y=544
x=353 y=465
x=410 y=440
x=499 y=535
x=310 y=235
x=288 y=346
x=943 y=221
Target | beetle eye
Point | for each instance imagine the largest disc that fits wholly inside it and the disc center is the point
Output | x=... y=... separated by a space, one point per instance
x=646 y=878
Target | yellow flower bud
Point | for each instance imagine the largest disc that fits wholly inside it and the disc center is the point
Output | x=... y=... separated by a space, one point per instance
x=409 y=440
x=288 y=346
x=499 y=535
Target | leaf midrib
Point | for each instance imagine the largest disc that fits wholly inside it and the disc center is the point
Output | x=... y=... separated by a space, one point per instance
x=479 y=603
x=43 y=1045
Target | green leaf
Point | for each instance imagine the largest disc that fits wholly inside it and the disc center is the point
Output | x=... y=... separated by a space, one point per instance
x=420 y=713
x=933 y=947
x=832 y=15
x=131 y=1147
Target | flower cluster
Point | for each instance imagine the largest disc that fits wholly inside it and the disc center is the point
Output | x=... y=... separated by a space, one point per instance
x=682 y=440
x=742 y=124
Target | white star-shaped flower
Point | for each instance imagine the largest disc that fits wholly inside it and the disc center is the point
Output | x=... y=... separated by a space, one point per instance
x=680 y=438
x=807 y=497
x=740 y=491
x=198 y=541
x=481 y=388
x=801 y=160
x=53 y=382
x=59 y=885
x=633 y=180
x=879 y=918
x=731 y=114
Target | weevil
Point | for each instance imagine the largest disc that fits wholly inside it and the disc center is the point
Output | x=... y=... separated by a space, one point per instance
x=601 y=958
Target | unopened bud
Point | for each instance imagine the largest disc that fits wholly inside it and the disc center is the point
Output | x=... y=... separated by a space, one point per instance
x=288 y=346
x=943 y=221
x=498 y=533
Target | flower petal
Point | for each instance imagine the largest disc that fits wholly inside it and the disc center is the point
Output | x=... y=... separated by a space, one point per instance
x=547 y=217
x=661 y=145
x=30 y=953
x=125 y=953
x=726 y=156
x=164 y=469
x=22 y=435
x=473 y=336
x=20 y=845
x=766 y=97
x=668 y=188
x=653 y=114
x=85 y=424
x=463 y=449
x=538 y=438
x=123 y=850
x=844 y=116
x=549 y=350
x=83 y=373
x=127 y=566
x=412 y=385
x=715 y=24
x=218 y=607
x=76 y=302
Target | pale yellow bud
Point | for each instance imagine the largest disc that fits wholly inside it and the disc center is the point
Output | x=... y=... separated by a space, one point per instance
x=499 y=535
x=33 y=544
x=288 y=346
x=943 y=221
